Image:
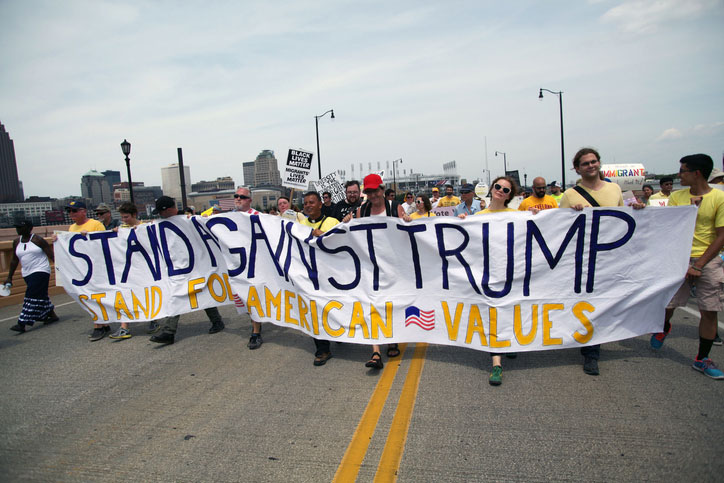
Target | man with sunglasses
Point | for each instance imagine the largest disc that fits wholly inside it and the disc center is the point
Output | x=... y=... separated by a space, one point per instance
x=327 y=205
x=469 y=205
x=592 y=191
x=705 y=266
x=103 y=212
x=539 y=199
x=242 y=203
x=82 y=224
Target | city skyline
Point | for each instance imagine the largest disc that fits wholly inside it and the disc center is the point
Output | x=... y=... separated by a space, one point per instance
x=425 y=82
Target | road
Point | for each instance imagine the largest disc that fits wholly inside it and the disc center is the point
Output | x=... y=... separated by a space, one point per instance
x=208 y=409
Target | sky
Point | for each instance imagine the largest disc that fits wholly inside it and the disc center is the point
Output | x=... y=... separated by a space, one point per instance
x=425 y=81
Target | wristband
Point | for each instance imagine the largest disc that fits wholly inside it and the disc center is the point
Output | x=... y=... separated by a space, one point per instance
x=696 y=268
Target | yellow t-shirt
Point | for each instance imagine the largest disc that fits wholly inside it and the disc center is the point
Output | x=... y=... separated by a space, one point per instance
x=417 y=215
x=709 y=217
x=545 y=203
x=488 y=210
x=608 y=195
x=325 y=224
x=90 y=225
x=448 y=201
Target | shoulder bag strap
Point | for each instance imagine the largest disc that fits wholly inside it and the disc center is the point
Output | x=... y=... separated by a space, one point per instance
x=586 y=195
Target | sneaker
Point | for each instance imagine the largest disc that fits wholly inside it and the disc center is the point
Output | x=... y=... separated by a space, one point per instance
x=153 y=327
x=254 y=341
x=18 y=328
x=163 y=338
x=717 y=340
x=216 y=327
x=99 y=333
x=657 y=340
x=590 y=366
x=707 y=367
x=496 y=376
x=121 y=333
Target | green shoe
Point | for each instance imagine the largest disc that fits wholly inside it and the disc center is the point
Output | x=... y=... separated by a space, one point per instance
x=496 y=377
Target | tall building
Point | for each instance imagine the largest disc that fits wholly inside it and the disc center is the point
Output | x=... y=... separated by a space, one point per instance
x=266 y=172
x=171 y=181
x=248 y=173
x=112 y=177
x=9 y=184
x=95 y=186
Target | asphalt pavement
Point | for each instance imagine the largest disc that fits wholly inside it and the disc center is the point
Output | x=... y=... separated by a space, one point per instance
x=208 y=409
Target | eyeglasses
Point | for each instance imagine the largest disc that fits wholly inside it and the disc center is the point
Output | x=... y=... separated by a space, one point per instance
x=74 y=210
x=408 y=196
x=325 y=197
x=101 y=212
x=587 y=163
x=504 y=189
x=242 y=197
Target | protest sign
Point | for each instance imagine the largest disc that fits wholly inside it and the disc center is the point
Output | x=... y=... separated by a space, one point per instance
x=503 y=282
x=331 y=183
x=299 y=163
x=444 y=211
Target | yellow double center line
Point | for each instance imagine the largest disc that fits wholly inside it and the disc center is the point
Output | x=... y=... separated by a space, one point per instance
x=395 y=444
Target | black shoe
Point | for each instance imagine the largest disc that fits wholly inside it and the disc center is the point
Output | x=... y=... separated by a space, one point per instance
x=717 y=340
x=216 y=327
x=254 y=341
x=50 y=318
x=99 y=333
x=375 y=361
x=18 y=328
x=590 y=366
x=162 y=338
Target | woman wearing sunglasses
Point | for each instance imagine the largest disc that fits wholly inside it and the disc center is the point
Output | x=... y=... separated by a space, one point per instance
x=504 y=189
x=423 y=205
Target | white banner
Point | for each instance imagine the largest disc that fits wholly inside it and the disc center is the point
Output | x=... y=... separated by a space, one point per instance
x=500 y=282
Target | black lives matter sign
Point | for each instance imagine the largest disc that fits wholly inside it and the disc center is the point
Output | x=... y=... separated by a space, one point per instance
x=299 y=164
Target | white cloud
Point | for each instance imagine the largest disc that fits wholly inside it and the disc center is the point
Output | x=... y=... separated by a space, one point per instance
x=646 y=16
x=670 y=134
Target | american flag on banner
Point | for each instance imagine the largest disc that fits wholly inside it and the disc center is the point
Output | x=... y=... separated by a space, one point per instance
x=238 y=303
x=425 y=319
x=226 y=204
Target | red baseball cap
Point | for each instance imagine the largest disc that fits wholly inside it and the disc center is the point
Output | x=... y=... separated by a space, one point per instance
x=372 y=181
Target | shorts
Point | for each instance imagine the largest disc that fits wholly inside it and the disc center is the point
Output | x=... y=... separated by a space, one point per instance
x=708 y=288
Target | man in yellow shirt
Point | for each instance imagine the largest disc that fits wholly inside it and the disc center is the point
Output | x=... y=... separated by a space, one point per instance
x=539 y=199
x=82 y=224
x=320 y=223
x=592 y=191
x=666 y=185
x=449 y=199
x=705 y=266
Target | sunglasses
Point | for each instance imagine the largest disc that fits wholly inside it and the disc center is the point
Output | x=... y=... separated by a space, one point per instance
x=417 y=202
x=74 y=210
x=242 y=197
x=101 y=212
x=501 y=188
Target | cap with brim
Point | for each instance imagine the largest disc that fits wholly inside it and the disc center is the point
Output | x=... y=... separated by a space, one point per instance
x=467 y=188
x=715 y=173
x=163 y=203
x=101 y=208
x=372 y=182
x=435 y=189
x=74 y=205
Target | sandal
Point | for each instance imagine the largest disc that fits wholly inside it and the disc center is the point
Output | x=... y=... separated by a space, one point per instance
x=375 y=361
x=322 y=359
x=393 y=350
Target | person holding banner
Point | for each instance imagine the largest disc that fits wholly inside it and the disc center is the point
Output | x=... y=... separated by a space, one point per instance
x=166 y=208
x=424 y=207
x=345 y=209
x=592 y=191
x=242 y=203
x=377 y=205
x=82 y=224
x=320 y=224
x=469 y=204
x=705 y=268
x=34 y=254
x=504 y=190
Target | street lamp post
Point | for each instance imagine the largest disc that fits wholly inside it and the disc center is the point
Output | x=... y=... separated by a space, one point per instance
x=394 y=172
x=316 y=126
x=126 y=148
x=505 y=163
x=563 y=154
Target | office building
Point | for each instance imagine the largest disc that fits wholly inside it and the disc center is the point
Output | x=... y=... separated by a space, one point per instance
x=10 y=190
x=171 y=181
